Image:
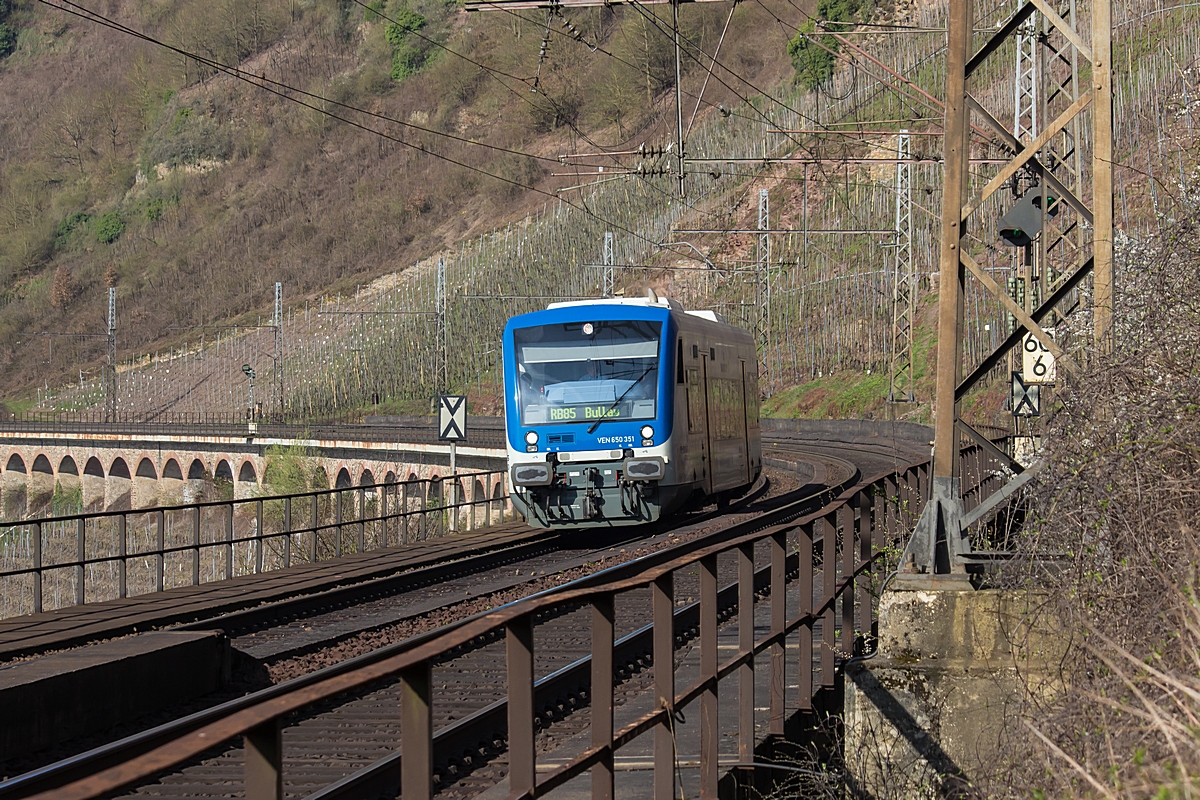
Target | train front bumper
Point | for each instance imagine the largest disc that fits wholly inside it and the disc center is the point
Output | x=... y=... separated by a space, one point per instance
x=604 y=493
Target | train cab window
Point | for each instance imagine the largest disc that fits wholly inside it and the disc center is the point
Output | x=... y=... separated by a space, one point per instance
x=679 y=361
x=587 y=371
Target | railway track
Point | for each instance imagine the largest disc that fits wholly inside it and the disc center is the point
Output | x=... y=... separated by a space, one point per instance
x=343 y=751
x=330 y=745
x=351 y=611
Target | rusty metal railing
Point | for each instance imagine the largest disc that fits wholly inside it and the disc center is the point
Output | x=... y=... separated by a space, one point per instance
x=843 y=544
x=78 y=558
x=482 y=431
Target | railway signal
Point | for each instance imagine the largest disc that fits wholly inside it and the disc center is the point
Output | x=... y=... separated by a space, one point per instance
x=1026 y=398
x=452 y=428
x=1023 y=222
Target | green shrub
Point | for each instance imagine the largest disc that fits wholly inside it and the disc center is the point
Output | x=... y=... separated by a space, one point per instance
x=374 y=11
x=285 y=473
x=408 y=52
x=186 y=137
x=404 y=22
x=813 y=54
x=8 y=39
x=62 y=234
x=181 y=118
x=109 y=227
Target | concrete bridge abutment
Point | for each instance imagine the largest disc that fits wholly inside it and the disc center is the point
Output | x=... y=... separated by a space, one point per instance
x=926 y=717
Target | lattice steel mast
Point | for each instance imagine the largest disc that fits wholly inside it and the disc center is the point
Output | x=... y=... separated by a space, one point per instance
x=278 y=322
x=763 y=259
x=609 y=280
x=111 y=387
x=904 y=280
x=442 y=368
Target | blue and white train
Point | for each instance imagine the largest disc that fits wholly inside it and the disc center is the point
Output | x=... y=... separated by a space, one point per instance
x=621 y=411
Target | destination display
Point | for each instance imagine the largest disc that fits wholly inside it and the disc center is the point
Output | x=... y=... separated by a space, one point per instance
x=589 y=412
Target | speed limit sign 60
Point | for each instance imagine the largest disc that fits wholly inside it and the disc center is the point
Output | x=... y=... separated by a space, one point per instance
x=1037 y=363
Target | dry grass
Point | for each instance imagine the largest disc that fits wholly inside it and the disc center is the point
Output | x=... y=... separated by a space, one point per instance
x=1120 y=498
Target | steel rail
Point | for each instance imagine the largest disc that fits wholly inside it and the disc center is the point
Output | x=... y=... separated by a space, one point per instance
x=466 y=734
x=476 y=559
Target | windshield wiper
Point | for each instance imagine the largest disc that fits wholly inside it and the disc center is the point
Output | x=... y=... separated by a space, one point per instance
x=617 y=402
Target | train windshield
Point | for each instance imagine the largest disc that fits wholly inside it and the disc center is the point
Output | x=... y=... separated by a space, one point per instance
x=587 y=371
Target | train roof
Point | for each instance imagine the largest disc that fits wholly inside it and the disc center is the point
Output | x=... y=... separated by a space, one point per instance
x=652 y=301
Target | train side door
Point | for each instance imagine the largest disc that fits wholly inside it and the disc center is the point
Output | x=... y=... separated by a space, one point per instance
x=697 y=417
x=710 y=464
x=746 y=424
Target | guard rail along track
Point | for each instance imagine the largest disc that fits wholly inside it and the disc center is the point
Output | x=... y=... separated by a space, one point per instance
x=303 y=603
x=101 y=555
x=484 y=431
x=835 y=533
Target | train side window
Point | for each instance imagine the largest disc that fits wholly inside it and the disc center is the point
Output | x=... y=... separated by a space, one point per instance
x=712 y=354
x=695 y=351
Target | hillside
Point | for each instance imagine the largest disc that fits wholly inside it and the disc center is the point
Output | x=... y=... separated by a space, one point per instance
x=192 y=191
x=355 y=222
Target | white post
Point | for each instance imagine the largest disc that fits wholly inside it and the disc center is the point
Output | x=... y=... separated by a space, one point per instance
x=453 y=486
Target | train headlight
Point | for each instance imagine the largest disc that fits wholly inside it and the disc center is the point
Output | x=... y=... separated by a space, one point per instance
x=531 y=437
x=647 y=432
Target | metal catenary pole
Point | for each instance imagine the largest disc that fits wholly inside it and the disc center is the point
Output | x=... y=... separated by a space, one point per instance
x=679 y=146
x=279 y=341
x=941 y=520
x=111 y=402
x=1102 y=171
x=904 y=280
x=609 y=288
x=763 y=258
x=441 y=372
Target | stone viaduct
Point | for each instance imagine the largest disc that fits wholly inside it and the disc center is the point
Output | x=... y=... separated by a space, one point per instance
x=114 y=471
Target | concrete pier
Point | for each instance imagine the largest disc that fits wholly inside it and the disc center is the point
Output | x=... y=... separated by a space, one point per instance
x=926 y=717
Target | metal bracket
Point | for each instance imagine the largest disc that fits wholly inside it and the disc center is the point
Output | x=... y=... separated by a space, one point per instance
x=939 y=549
x=937 y=541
